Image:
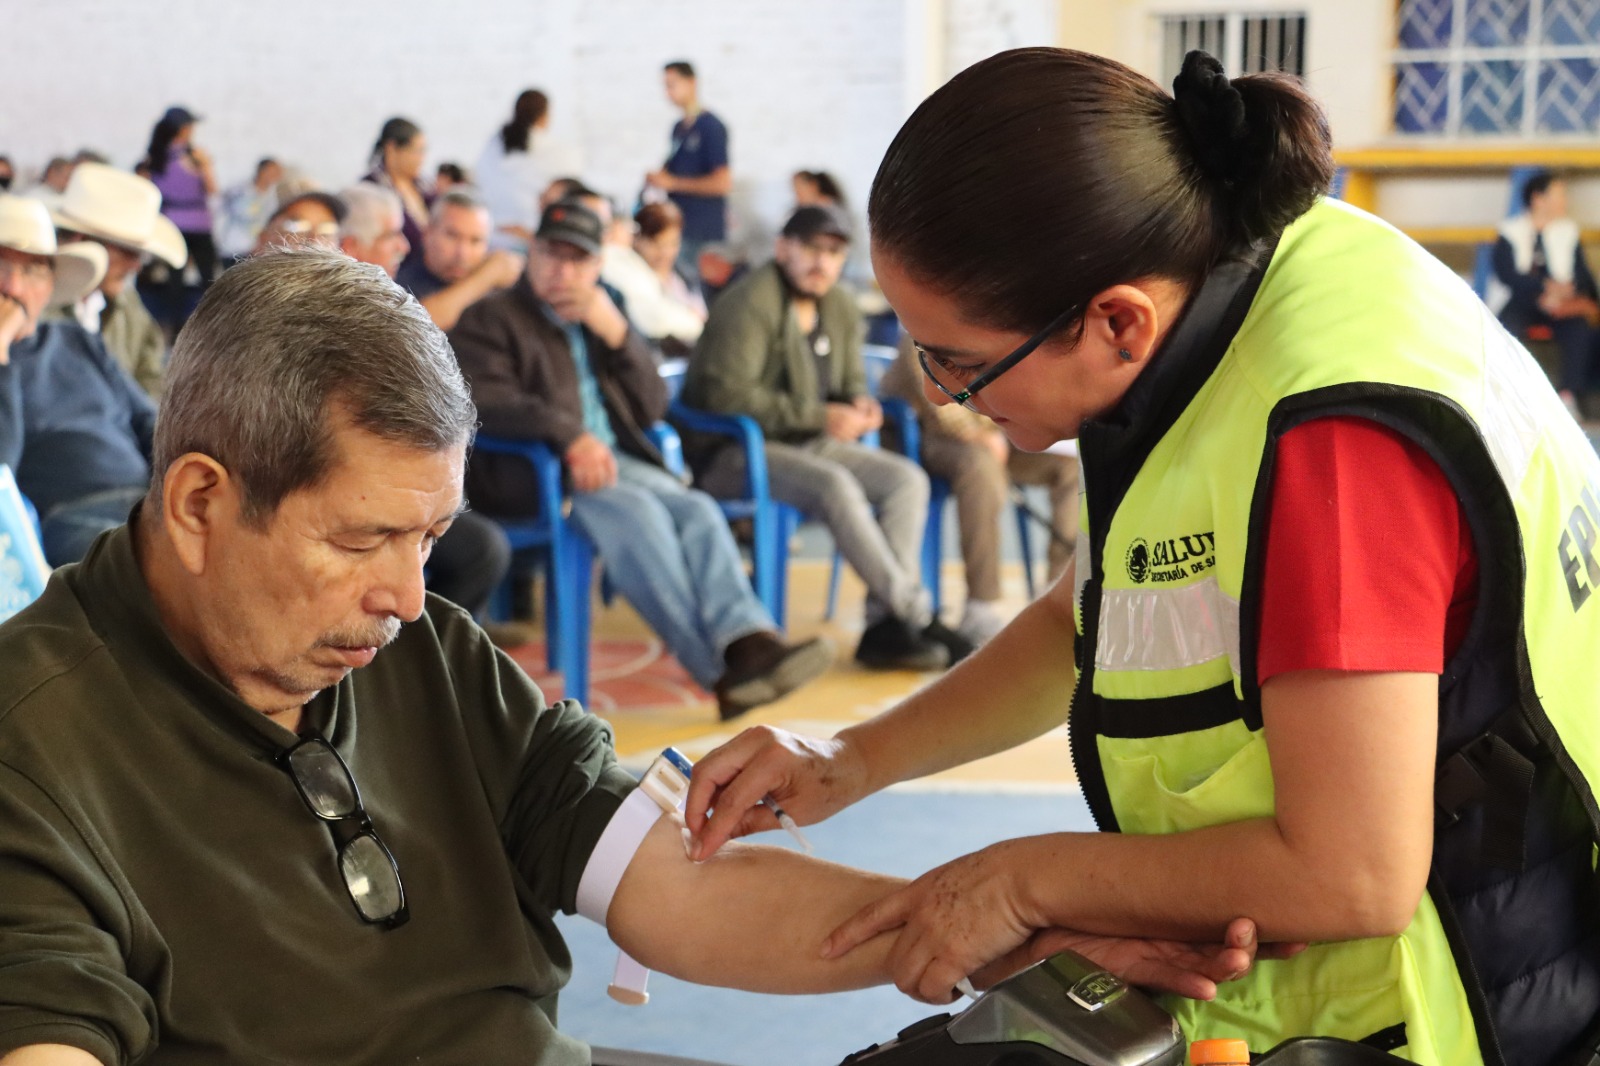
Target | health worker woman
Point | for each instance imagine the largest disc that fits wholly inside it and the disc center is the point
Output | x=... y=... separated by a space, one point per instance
x=1331 y=645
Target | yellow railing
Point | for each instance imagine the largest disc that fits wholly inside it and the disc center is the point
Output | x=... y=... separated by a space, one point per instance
x=1365 y=166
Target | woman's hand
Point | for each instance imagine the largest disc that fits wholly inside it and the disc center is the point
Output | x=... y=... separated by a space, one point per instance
x=953 y=920
x=1179 y=967
x=809 y=777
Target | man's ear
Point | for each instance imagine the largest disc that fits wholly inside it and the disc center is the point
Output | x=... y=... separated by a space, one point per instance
x=197 y=495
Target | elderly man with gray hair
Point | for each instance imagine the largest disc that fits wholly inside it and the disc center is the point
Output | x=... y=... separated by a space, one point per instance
x=373 y=229
x=188 y=869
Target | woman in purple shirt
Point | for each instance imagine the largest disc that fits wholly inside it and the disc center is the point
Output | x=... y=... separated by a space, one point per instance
x=182 y=171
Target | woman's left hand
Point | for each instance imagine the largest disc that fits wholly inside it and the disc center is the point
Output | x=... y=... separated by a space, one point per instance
x=953 y=921
x=1193 y=970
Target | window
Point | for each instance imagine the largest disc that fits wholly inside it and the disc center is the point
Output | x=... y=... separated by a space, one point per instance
x=1505 y=68
x=1244 y=43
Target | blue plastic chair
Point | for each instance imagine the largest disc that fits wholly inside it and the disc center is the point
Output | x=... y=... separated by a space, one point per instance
x=771 y=522
x=569 y=560
x=23 y=570
x=903 y=417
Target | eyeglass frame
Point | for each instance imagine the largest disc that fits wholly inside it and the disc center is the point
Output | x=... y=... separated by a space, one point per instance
x=340 y=827
x=964 y=397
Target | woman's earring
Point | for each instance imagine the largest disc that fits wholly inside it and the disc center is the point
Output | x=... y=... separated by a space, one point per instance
x=1125 y=355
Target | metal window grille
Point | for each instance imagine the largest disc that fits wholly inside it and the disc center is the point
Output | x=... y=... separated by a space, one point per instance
x=1525 y=69
x=1245 y=42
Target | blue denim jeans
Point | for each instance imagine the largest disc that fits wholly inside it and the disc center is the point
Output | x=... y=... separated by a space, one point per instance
x=668 y=551
x=68 y=530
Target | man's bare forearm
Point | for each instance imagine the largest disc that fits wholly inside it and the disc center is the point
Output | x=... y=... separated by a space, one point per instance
x=751 y=917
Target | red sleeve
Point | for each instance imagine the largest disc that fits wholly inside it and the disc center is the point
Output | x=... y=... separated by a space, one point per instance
x=1369 y=562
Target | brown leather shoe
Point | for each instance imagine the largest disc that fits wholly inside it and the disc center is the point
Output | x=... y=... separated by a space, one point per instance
x=761 y=669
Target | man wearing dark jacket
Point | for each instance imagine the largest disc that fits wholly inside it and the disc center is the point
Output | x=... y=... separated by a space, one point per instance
x=552 y=359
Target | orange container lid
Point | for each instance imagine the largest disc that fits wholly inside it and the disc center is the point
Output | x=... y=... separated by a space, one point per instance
x=1219 y=1053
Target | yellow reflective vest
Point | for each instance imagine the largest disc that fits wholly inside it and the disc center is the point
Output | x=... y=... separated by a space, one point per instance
x=1346 y=316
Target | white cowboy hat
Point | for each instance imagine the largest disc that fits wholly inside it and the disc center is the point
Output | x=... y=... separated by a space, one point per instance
x=122 y=208
x=25 y=227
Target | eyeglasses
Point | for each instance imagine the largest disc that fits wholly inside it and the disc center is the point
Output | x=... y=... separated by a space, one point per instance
x=964 y=397
x=27 y=269
x=299 y=227
x=370 y=873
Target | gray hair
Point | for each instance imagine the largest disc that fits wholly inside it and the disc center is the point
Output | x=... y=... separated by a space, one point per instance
x=370 y=209
x=276 y=342
x=458 y=196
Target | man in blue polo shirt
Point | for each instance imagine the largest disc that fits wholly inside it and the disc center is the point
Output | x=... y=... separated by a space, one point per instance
x=696 y=175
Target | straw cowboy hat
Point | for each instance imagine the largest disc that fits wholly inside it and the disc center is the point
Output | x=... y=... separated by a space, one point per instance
x=121 y=208
x=25 y=226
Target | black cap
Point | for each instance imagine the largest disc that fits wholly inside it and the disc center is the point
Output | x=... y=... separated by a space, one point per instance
x=817 y=220
x=179 y=116
x=571 y=223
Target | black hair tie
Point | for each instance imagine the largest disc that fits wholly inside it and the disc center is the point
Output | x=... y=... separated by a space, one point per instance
x=1212 y=113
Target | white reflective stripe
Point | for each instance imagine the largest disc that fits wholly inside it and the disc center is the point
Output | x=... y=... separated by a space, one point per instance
x=1080 y=567
x=1513 y=383
x=1167 y=628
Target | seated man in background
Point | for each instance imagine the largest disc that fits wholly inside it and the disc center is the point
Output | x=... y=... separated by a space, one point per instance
x=121 y=212
x=972 y=454
x=186 y=716
x=1539 y=259
x=552 y=359
x=307 y=218
x=373 y=230
x=244 y=209
x=456 y=268
x=783 y=345
x=86 y=426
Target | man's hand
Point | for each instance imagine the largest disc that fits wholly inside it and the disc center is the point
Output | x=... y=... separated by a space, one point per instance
x=661 y=180
x=811 y=778
x=502 y=269
x=591 y=464
x=604 y=320
x=1173 y=966
x=871 y=412
x=13 y=323
x=845 y=422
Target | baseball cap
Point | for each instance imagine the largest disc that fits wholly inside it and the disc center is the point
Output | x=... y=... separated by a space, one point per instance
x=178 y=115
x=817 y=220
x=571 y=223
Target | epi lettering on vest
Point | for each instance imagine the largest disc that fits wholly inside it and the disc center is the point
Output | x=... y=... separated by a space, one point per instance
x=1171 y=559
x=1576 y=550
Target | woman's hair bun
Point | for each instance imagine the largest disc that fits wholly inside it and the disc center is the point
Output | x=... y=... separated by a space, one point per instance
x=1212 y=113
x=1261 y=142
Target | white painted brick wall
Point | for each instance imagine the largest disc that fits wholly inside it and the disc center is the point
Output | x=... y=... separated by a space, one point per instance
x=977 y=29
x=801 y=83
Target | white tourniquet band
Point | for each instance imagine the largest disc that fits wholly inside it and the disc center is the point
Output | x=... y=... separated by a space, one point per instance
x=611 y=856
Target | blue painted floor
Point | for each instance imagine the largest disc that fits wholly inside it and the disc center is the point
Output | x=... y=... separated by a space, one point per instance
x=898 y=832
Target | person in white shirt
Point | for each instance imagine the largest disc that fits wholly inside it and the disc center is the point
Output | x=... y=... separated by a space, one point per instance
x=245 y=209
x=639 y=262
x=516 y=165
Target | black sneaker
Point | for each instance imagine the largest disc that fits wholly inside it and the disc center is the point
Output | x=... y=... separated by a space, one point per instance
x=894 y=644
x=957 y=645
x=761 y=669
